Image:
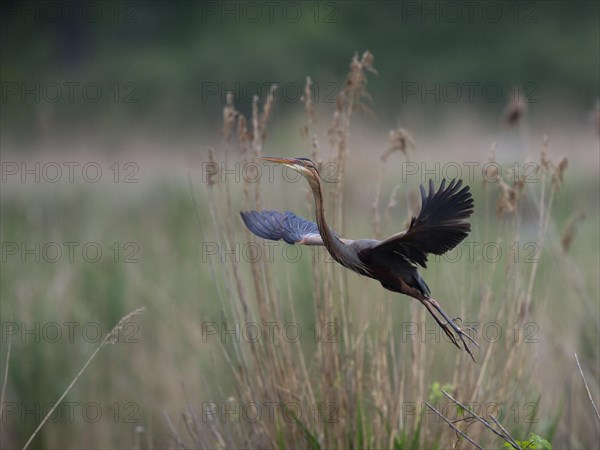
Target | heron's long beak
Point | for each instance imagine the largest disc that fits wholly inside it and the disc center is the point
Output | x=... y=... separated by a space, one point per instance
x=284 y=161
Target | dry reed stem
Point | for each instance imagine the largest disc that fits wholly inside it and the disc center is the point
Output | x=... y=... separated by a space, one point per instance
x=451 y=425
x=5 y=372
x=502 y=434
x=587 y=388
x=110 y=338
x=545 y=211
x=361 y=370
x=279 y=358
x=398 y=140
x=309 y=107
x=571 y=230
x=229 y=118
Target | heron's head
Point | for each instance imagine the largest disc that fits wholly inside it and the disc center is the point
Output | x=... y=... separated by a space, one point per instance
x=303 y=166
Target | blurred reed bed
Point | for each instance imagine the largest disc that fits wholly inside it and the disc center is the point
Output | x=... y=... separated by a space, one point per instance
x=368 y=388
x=360 y=377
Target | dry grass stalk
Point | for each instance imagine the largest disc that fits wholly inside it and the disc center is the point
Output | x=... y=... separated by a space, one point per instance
x=545 y=210
x=113 y=336
x=367 y=374
x=510 y=193
x=400 y=140
x=508 y=202
x=559 y=170
x=6 y=365
x=349 y=100
x=229 y=116
x=587 y=388
x=110 y=338
x=570 y=231
x=502 y=433
x=451 y=425
x=212 y=168
x=309 y=107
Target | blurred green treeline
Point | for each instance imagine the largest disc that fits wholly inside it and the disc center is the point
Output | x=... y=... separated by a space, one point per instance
x=163 y=66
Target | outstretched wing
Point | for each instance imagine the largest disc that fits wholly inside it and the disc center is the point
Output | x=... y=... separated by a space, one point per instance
x=440 y=226
x=276 y=225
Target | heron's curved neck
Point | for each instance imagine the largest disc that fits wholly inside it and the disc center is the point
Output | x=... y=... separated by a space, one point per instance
x=332 y=243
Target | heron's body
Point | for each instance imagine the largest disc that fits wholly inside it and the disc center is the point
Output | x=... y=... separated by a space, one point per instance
x=439 y=227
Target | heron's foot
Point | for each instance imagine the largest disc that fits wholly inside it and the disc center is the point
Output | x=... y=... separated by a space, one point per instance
x=462 y=335
x=455 y=324
x=452 y=330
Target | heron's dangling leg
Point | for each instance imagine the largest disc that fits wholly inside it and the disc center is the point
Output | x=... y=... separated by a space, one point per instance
x=461 y=334
x=450 y=328
x=444 y=326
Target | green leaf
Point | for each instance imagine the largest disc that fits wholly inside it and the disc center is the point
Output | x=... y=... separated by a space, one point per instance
x=535 y=442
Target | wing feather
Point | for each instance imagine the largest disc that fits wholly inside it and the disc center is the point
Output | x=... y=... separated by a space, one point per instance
x=440 y=226
x=277 y=225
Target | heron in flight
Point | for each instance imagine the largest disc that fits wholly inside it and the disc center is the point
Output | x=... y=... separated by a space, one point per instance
x=440 y=226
